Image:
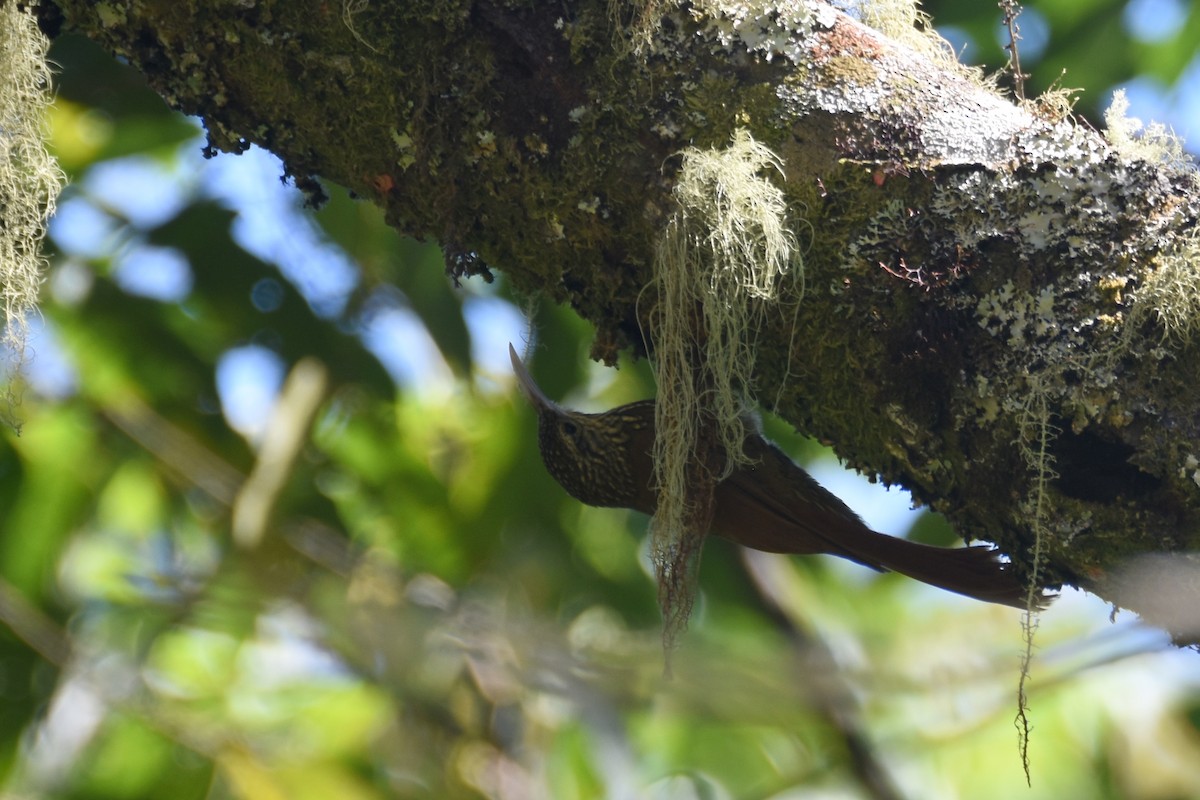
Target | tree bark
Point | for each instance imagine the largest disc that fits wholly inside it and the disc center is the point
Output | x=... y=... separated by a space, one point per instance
x=976 y=325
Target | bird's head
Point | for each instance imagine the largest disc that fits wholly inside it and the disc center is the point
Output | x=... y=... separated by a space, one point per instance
x=594 y=456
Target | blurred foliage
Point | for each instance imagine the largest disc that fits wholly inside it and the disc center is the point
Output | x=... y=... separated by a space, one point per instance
x=428 y=614
x=1091 y=45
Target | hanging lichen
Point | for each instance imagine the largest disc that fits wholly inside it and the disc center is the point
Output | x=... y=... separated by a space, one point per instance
x=30 y=178
x=719 y=268
x=1035 y=436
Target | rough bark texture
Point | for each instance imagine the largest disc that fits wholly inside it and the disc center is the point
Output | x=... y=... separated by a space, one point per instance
x=971 y=265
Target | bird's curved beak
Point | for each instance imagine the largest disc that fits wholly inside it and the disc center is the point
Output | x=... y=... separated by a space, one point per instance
x=531 y=390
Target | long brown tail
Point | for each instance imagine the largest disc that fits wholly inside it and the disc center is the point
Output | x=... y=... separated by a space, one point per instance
x=774 y=505
x=974 y=571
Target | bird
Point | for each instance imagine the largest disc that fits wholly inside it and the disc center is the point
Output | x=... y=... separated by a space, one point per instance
x=768 y=502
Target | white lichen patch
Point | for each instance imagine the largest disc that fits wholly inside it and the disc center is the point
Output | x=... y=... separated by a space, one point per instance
x=1045 y=337
x=1191 y=468
x=405 y=148
x=982 y=135
x=991 y=131
x=1018 y=317
x=852 y=97
x=985 y=400
x=1069 y=197
x=485 y=144
x=981 y=205
x=971 y=210
x=768 y=29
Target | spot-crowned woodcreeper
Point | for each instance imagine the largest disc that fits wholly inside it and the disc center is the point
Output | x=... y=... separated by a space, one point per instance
x=768 y=504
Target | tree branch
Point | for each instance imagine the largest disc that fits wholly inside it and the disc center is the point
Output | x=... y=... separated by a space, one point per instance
x=967 y=259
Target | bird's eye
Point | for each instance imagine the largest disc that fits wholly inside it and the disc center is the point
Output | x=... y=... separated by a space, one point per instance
x=570 y=428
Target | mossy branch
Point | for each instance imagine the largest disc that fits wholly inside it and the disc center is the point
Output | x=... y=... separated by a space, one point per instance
x=1039 y=240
